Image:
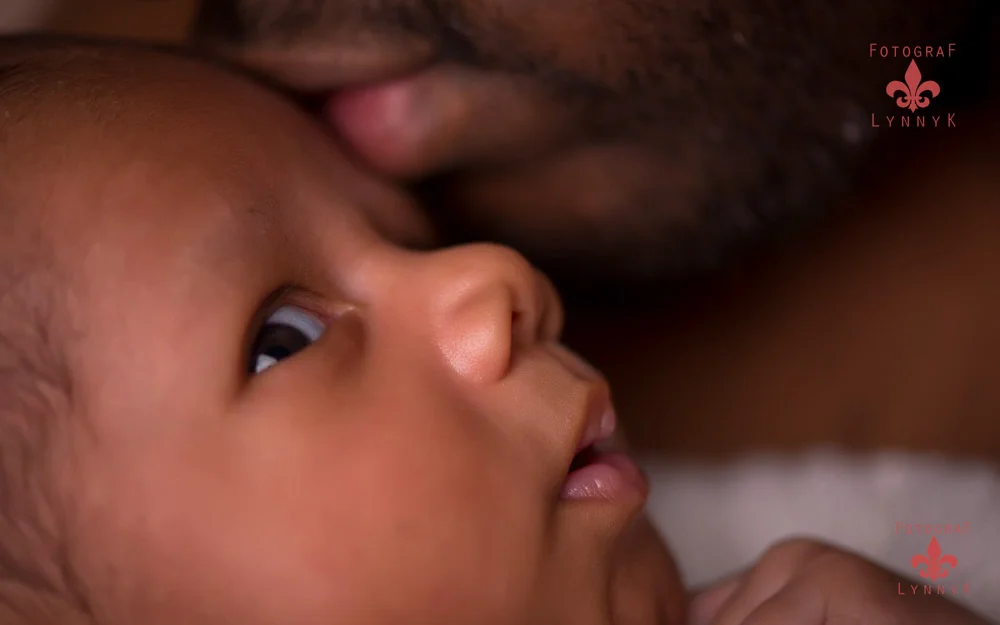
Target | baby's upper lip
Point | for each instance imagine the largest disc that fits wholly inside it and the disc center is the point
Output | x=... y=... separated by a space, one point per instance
x=599 y=420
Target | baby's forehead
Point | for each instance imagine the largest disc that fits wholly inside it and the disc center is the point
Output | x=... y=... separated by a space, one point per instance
x=87 y=132
x=117 y=105
x=139 y=150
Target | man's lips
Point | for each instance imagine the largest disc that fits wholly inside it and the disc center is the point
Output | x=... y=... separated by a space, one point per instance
x=326 y=69
x=379 y=124
x=365 y=88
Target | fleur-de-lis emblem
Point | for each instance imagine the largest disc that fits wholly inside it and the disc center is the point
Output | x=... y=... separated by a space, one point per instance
x=934 y=562
x=913 y=90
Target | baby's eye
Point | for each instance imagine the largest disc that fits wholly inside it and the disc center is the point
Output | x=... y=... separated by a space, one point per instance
x=286 y=332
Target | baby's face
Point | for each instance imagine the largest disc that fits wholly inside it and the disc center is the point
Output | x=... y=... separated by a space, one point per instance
x=288 y=415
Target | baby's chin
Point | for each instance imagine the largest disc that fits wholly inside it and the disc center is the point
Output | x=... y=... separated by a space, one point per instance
x=646 y=584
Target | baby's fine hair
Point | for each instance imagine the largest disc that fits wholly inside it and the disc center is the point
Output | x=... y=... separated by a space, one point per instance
x=41 y=75
x=36 y=388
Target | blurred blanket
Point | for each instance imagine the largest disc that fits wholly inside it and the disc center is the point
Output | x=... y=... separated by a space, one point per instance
x=888 y=506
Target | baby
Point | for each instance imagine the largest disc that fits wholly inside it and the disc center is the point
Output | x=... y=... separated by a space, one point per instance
x=236 y=388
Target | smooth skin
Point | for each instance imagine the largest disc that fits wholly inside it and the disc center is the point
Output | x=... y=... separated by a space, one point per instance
x=391 y=470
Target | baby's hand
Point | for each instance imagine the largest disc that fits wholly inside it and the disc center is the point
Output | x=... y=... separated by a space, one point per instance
x=802 y=582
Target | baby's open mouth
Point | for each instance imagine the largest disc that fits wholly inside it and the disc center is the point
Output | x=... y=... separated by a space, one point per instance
x=585 y=457
x=599 y=474
x=599 y=470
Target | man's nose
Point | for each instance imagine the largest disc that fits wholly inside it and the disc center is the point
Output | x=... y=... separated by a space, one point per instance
x=485 y=303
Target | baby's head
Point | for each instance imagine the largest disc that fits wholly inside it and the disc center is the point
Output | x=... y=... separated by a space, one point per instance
x=233 y=389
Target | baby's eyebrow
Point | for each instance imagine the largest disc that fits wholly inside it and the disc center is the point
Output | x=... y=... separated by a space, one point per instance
x=248 y=227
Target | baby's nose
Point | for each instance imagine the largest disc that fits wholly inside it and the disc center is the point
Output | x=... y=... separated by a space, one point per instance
x=487 y=301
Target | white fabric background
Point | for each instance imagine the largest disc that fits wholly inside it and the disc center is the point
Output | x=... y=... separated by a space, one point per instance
x=719 y=519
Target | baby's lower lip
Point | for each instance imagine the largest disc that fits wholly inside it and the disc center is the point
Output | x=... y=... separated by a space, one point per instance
x=611 y=476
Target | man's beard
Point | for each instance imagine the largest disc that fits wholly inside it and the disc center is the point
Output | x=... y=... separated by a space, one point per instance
x=655 y=245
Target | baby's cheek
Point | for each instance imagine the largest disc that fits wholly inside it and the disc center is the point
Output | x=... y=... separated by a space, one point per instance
x=154 y=551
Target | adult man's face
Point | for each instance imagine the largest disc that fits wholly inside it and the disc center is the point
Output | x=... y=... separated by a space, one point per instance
x=608 y=139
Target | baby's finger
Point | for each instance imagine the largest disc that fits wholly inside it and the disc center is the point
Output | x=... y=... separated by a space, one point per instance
x=773 y=573
x=709 y=602
x=793 y=605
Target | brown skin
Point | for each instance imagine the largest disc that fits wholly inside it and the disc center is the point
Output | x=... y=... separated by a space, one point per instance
x=625 y=203
x=277 y=498
x=774 y=354
x=611 y=141
x=391 y=471
x=148 y=521
x=730 y=113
